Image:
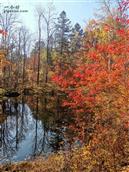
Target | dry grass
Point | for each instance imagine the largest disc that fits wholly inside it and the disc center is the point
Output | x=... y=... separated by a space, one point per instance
x=52 y=164
x=76 y=161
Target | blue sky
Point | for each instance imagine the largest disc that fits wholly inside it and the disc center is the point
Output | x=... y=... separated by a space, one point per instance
x=77 y=10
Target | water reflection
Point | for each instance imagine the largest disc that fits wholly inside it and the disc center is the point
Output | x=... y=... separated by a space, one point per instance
x=30 y=126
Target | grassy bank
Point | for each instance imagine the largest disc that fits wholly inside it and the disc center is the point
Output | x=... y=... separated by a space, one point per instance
x=79 y=160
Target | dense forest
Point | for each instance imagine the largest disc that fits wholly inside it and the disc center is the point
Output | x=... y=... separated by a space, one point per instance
x=86 y=69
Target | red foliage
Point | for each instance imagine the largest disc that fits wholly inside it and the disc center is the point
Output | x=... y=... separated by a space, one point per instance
x=105 y=71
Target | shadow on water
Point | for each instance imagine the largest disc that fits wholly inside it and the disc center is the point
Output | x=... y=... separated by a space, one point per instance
x=31 y=126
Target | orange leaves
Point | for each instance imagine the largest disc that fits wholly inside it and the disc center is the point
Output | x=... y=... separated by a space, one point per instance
x=93 y=55
x=107 y=27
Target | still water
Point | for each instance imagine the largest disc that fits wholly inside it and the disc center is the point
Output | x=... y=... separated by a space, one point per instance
x=31 y=126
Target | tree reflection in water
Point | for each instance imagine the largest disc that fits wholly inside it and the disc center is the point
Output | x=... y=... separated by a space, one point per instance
x=13 y=129
x=31 y=126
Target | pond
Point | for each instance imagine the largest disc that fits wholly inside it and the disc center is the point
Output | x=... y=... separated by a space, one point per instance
x=31 y=126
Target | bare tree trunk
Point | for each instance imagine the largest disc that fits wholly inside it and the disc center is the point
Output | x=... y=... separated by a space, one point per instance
x=49 y=18
x=39 y=49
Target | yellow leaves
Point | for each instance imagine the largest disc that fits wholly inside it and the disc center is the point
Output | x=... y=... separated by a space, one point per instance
x=3 y=61
x=101 y=34
x=2 y=92
x=2 y=54
x=50 y=74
